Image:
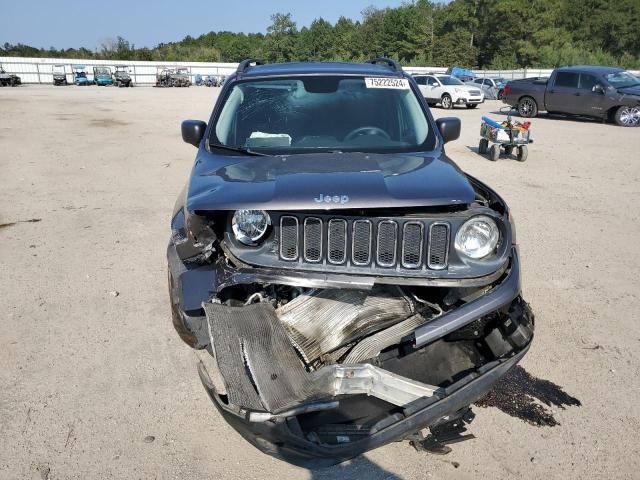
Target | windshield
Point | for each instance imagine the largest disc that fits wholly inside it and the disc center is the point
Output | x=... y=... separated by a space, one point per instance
x=449 y=81
x=622 y=79
x=323 y=113
x=103 y=71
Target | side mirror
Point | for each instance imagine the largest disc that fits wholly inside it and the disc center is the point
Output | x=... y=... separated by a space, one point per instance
x=597 y=89
x=193 y=131
x=449 y=128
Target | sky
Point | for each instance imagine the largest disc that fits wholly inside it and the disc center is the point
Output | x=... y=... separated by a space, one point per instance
x=145 y=23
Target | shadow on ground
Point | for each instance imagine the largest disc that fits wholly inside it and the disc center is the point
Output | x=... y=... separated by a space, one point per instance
x=360 y=467
x=528 y=398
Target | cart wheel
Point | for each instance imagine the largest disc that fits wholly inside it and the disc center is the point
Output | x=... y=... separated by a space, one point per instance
x=483 y=146
x=494 y=152
x=523 y=152
x=508 y=149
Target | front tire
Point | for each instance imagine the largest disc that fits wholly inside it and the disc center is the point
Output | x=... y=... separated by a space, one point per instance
x=523 y=153
x=527 y=107
x=626 y=116
x=446 y=101
x=499 y=95
x=494 y=152
x=483 y=146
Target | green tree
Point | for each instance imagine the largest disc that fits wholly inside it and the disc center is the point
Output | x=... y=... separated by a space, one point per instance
x=281 y=38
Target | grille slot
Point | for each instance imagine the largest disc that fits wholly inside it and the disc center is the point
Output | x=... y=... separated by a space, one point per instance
x=361 y=242
x=387 y=243
x=289 y=237
x=412 y=243
x=337 y=241
x=438 y=246
x=312 y=239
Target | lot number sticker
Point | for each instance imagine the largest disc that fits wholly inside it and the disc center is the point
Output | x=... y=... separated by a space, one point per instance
x=397 y=83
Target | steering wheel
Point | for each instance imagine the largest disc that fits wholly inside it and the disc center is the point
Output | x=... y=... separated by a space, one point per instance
x=366 y=131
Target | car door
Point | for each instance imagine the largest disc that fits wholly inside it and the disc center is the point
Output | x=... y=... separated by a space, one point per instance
x=592 y=103
x=434 y=88
x=422 y=84
x=563 y=96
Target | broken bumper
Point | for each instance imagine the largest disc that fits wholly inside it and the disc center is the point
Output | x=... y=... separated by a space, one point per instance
x=281 y=438
x=257 y=382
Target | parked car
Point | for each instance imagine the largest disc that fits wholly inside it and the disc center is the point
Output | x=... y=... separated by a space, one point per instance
x=9 y=79
x=462 y=74
x=122 y=77
x=345 y=282
x=491 y=87
x=102 y=76
x=59 y=75
x=448 y=91
x=180 y=78
x=163 y=77
x=600 y=92
x=80 y=75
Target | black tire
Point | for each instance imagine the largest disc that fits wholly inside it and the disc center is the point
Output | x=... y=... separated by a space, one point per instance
x=494 y=152
x=626 y=116
x=483 y=146
x=499 y=94
x=472 y=105
x=446 y=101
x=523 y=153
x=527 y=107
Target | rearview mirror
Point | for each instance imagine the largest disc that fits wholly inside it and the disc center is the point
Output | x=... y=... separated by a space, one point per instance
x=449 y=128
x=193 y=131
x=597 y=89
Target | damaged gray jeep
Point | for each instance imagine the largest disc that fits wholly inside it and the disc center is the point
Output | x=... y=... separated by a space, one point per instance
x=345 y=284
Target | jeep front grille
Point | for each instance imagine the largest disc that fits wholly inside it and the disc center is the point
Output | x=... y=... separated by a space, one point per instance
x=373 y=243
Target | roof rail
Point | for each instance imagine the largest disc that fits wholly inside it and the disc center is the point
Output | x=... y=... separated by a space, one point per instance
x=392 y=64
x=244 y=65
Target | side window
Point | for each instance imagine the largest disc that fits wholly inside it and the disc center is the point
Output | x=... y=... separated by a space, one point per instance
x=587 y=82
x=567 y=79
x=478 y=80
x=432 y=81
x=487 y=82
x=420 y=80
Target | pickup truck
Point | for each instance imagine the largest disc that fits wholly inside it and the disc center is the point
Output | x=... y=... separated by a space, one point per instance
x=602 y=92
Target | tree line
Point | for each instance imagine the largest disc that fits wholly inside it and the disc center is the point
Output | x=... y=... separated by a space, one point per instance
x=490 y=34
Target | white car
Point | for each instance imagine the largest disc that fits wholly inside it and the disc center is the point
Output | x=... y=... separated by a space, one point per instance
x=448 y=91
x=492 y=87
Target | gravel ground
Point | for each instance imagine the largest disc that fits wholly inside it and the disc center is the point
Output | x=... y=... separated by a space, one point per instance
x=96 y=384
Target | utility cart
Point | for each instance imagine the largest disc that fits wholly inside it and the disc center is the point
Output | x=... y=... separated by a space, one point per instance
x=508 y=135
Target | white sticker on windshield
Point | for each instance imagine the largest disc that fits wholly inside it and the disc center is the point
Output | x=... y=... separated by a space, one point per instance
x=378 y=82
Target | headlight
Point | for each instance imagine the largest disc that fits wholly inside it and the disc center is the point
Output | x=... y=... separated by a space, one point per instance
x=249 y=226
x=477 y=237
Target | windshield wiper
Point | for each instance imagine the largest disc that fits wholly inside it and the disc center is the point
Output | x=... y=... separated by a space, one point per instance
x=242 y=150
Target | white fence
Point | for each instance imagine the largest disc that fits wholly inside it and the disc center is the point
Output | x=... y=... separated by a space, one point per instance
x=40 y=70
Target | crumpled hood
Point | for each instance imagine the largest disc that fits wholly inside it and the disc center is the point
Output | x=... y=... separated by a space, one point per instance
x=326 y=181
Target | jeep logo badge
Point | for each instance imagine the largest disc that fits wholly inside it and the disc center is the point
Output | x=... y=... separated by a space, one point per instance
x=341 y=199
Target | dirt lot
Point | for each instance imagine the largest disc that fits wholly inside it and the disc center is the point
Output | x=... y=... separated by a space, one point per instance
x=95 y=383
